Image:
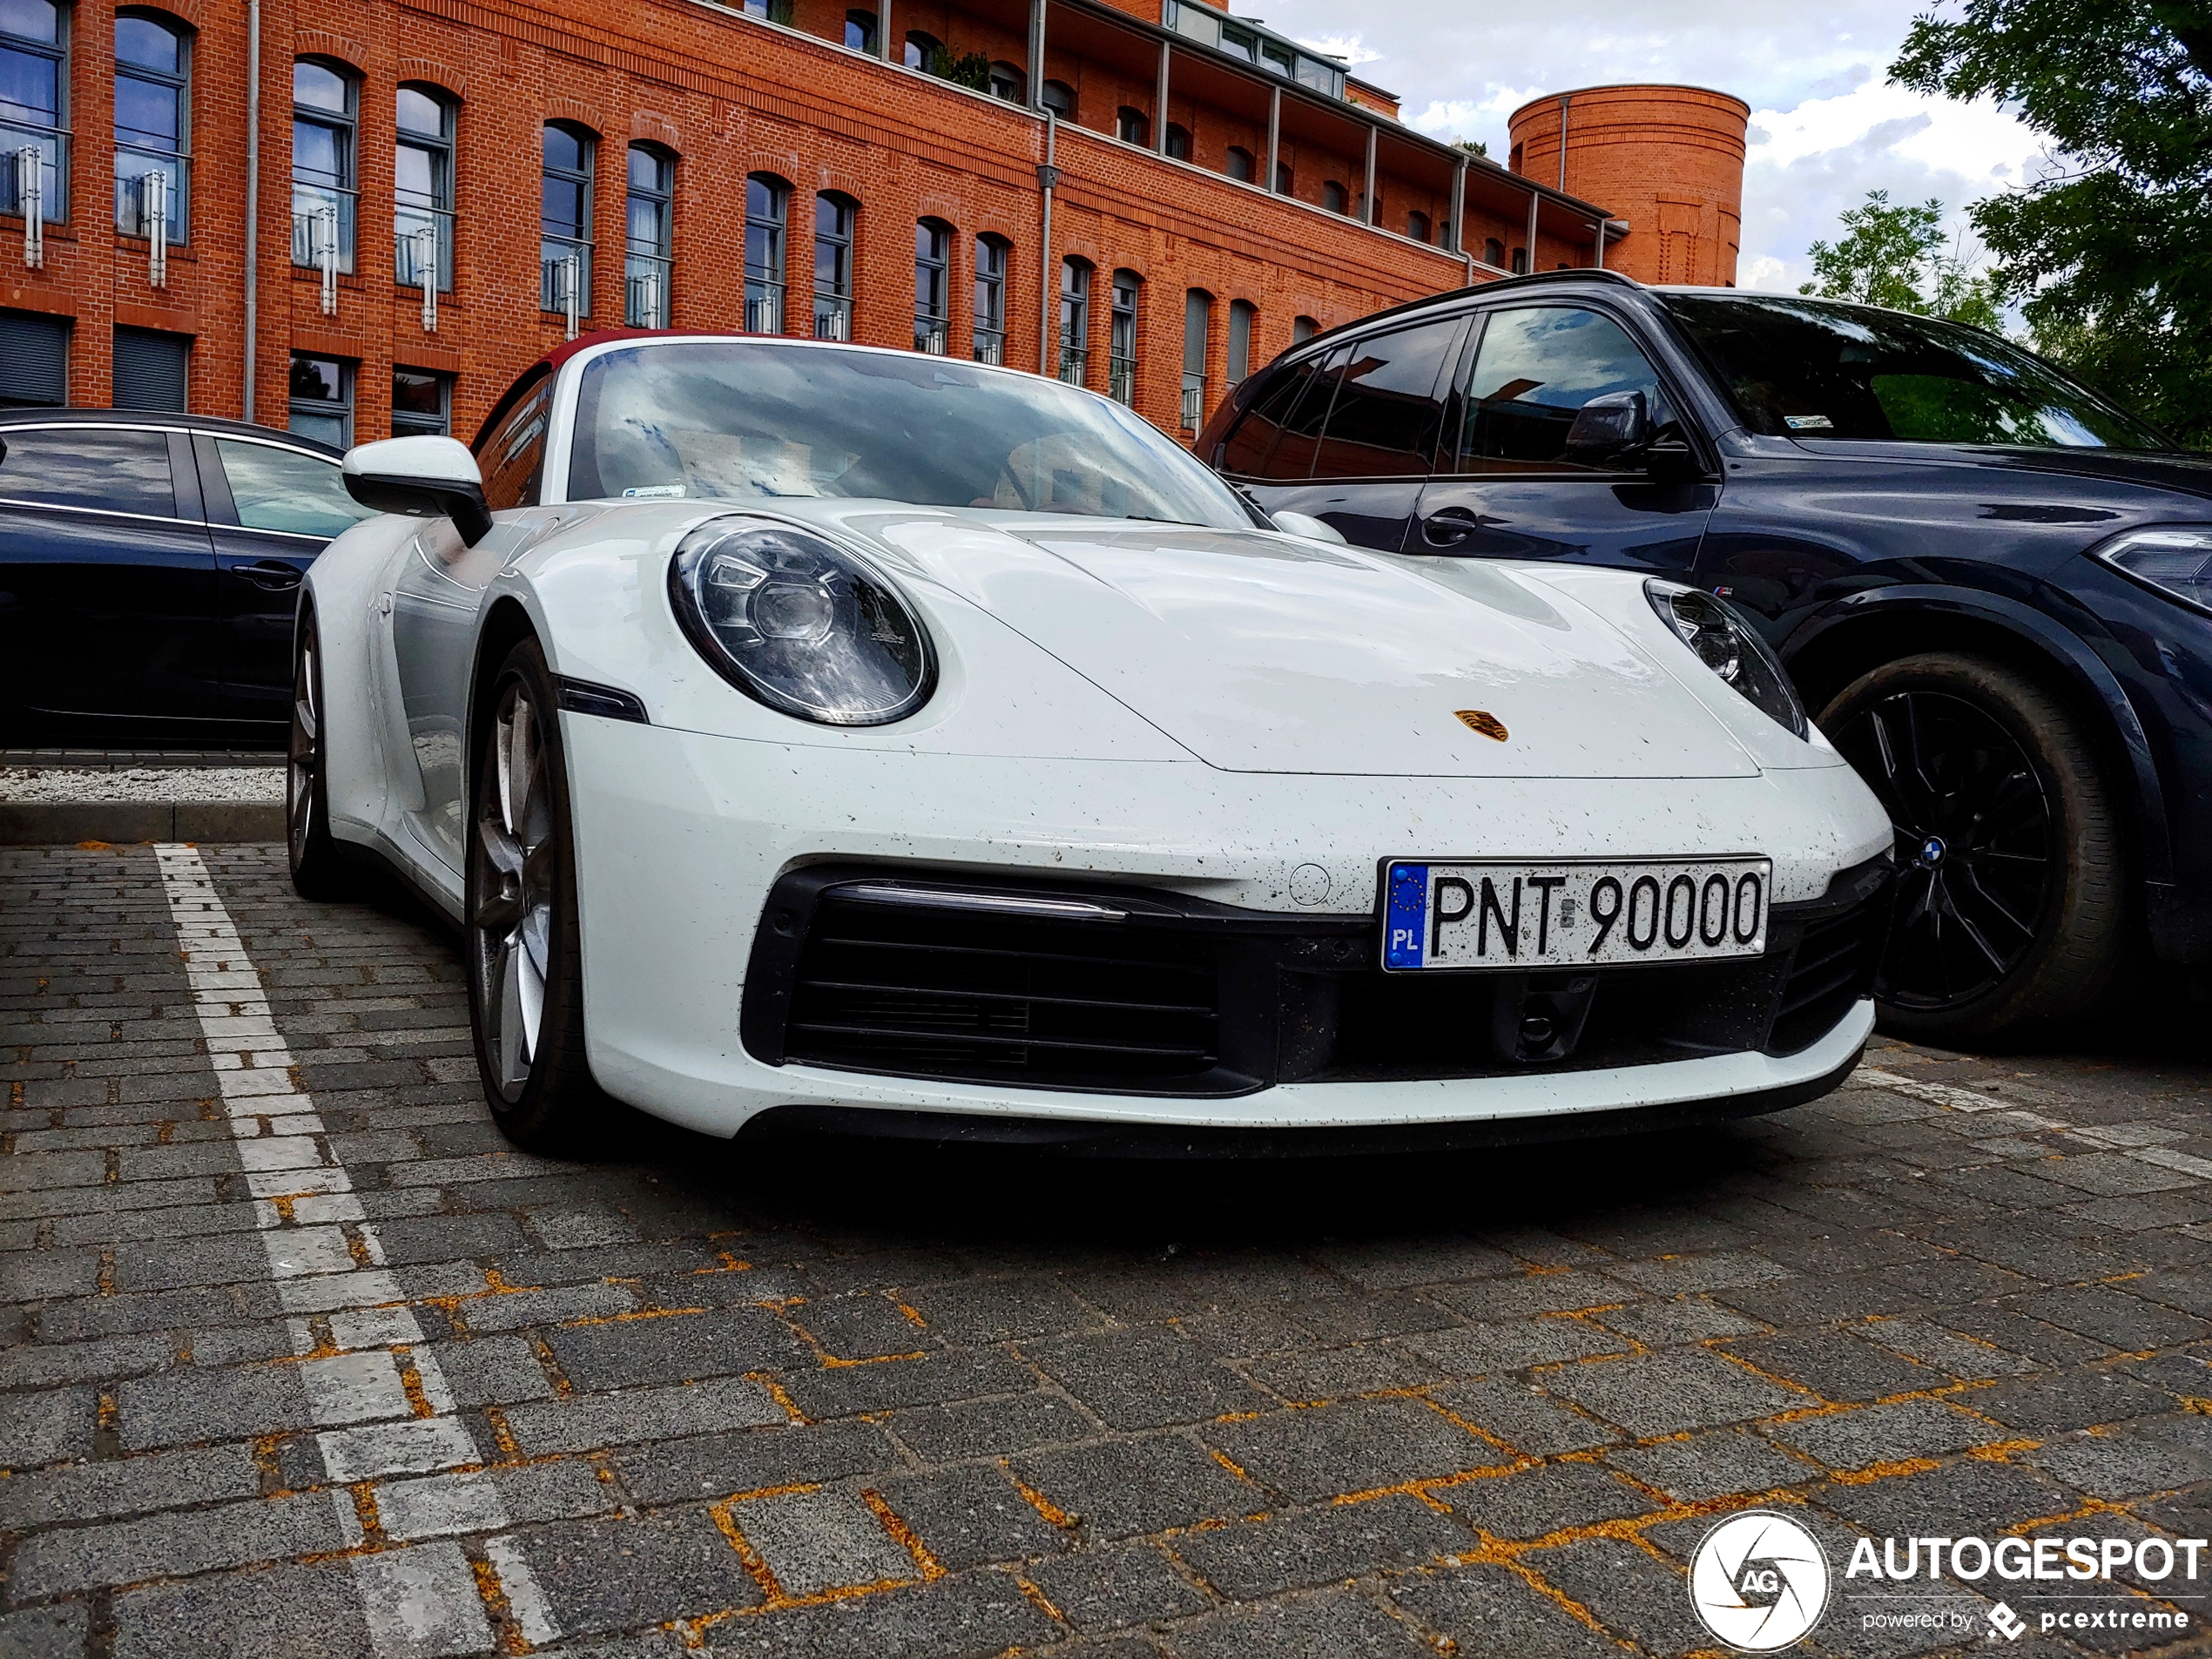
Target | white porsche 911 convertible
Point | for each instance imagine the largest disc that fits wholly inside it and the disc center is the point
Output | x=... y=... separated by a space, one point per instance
x=815 y=735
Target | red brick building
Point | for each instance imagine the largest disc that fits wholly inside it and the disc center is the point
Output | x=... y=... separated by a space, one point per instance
x=363 y=216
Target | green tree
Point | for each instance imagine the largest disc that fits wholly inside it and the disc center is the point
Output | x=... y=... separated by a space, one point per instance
x=2109 y=256
x=1895 y=257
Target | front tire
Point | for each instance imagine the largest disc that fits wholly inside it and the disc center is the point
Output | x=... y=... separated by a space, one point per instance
x=526 y=972
x=2010 y=897
x=319 y=870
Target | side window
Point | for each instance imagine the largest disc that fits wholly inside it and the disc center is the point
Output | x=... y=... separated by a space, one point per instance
x=117 y=472
x=1246 y=450
x=1534 y=369
x=283 y=489
x=1390 y=409
x=514 y=456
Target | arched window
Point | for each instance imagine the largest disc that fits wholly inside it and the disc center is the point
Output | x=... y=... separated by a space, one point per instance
x=1285 y=180
x=1494 y=253
x=1240 y=164
x=923 y=51
x=933 y=285
x=1332 y=196
x=990 y=298
x=1417 y=226
x=1120 y=343
x=648 y=255
x=835 y=215
x=1075 y=320
x=766 y=200
x=1197 y=324
x=1242 y=316
x=1133 y=126
x=1010 y=83
x=1060 y=98
x=34 y=72
x=1178 y=143
x=565 y=220
x=325 y=128
x=153 y=121
x=1303 y=329
x=423 y=186
x=859 y=30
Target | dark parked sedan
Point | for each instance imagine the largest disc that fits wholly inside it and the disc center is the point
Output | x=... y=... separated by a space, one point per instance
x=1993 y=589
x=149 y=565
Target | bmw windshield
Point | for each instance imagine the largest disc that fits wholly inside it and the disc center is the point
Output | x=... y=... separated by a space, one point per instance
x=745 y=421
x=1819 y=369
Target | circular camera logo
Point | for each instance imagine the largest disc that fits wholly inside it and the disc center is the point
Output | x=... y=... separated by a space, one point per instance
x=1759 y=1580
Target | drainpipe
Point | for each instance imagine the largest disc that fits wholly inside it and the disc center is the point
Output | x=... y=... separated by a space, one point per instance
x=252 y=190
x=1564 y=98
x=1367 y=214
x=1036 y=54
x=1274 y=136
x=1160 y=105
x=1048 y=176
x=1600 y=245
x=1532 y=199
x=883 y=31
x=1456 y=235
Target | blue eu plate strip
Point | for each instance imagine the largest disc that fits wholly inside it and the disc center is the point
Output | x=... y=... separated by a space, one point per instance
x=1406 y=915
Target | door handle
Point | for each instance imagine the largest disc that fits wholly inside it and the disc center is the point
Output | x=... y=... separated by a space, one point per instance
x=1451 y=524
x=271 y=575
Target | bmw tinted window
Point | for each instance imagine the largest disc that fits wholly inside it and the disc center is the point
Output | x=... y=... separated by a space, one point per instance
x=1533 y=372
x=1293 y=452
x=121 y=472
x=1244 y=452
x=1807 y=368
x=1390 y=403
x=283 y=489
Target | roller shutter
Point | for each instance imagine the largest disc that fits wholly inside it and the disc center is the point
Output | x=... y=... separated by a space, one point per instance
x=34 y=360
x=150 y=369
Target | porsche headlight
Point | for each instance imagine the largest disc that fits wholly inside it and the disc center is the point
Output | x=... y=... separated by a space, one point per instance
x=2176 y=559
x=792 y=618
x=1730 y=647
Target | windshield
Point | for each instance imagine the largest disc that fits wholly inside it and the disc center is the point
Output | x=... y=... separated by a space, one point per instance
x=1809 y=369
x=713 y=421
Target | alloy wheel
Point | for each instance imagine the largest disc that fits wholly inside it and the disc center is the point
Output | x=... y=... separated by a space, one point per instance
x=1978 y=848
x=305 y=753
x=516 y=866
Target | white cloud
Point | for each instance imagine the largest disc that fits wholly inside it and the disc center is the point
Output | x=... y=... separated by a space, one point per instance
x=1351 y=48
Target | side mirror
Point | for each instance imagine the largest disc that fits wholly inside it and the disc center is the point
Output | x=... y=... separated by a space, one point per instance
x=1608 y=427
x=1313 y=530
x=422 y=477
x=1668 y=457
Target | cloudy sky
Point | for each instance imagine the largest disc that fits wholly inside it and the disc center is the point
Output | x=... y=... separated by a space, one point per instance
x=1826 y=126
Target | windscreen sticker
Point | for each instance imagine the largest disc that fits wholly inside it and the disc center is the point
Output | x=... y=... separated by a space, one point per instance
x=1808 y=423
x=1407 y=912
x=652 y=492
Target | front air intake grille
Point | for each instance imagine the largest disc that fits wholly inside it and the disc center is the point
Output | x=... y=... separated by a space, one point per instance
x=944 y=994
x=1833 y=968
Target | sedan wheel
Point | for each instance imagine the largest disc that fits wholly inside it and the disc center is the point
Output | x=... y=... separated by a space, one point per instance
x=525 y=992
x=2009 y=885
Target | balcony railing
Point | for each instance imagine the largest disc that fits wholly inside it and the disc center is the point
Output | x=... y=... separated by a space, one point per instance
x=990 y=347
x=930 y=335
x=1194 y=401
x=1074 y=363
x=832 y=317
x=645 y=291
x=564 y=279
x=1121 y=380
x=763 y=308
x=408 y=242
x=315 y=206
x=131 y=166
x=53 y=188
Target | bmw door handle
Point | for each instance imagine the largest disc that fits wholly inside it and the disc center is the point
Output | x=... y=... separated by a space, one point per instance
x=271 y=575
x=1452 y=524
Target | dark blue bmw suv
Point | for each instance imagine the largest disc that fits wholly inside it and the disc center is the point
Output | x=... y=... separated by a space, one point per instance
x=1993 y=588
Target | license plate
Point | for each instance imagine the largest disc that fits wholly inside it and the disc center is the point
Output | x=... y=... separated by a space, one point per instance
x=1513 y=915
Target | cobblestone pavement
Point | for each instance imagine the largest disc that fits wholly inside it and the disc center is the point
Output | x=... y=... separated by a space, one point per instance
x=299 y=1359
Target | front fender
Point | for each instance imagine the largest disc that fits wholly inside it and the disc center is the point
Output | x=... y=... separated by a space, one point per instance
x=364 y=773
x=2085 y=673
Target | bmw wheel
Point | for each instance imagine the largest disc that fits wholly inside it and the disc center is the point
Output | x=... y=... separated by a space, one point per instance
x=526 y=980
x=318 y=868
x=2011 y=900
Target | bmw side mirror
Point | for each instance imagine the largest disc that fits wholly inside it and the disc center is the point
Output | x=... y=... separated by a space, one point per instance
x=423 y=477
x=1607 y=427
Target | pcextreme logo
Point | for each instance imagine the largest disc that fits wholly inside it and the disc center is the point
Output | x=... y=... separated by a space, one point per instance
x=1759 y=1581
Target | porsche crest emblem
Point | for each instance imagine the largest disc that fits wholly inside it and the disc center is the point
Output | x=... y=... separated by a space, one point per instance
x=1483 y=721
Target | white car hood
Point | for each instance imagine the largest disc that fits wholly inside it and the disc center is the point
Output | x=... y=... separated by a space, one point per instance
x=1261 y=652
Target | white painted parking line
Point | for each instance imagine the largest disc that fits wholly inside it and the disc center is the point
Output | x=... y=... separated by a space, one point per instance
x=420 y=1600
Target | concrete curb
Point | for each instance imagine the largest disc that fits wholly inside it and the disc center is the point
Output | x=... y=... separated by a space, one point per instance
x=43 y=822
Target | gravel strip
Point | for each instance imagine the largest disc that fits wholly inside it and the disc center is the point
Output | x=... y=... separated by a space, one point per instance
x=256 y=784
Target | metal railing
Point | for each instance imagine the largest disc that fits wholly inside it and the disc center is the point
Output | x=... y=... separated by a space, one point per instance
x=26 y=174
x=154 y=213
x=50 y=188
x=419 y=230
x=133 y=165
x=832 y=317
x=323 y=204
x=990 y=347
x=1194 y=401
x=1074 y=363
x=645 y=290
x=763 y=308
x=419 y=254
x=564 y=279
x=930 y=335
x=1121 y=380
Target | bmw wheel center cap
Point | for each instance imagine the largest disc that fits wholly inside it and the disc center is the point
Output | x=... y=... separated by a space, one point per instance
x=1931 y=853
